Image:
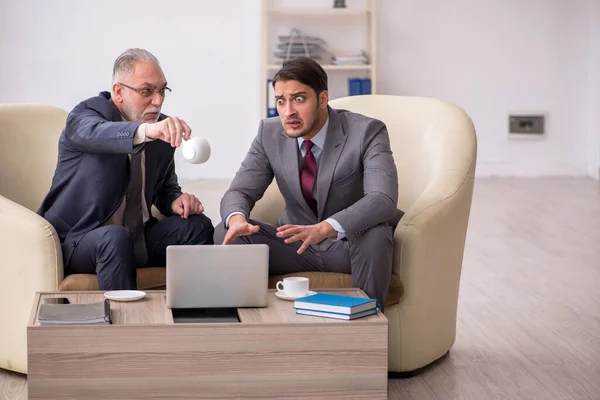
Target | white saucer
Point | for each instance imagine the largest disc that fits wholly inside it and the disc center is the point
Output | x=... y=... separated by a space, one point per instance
x=284 y=296
x=124 y=295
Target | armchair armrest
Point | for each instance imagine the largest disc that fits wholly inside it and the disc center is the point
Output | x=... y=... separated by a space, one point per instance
x=31 y=261
x=429 y=242
x=438 y=220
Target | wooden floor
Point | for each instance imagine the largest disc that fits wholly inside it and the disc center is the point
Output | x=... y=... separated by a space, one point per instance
x=529 y=304
x=529 y=308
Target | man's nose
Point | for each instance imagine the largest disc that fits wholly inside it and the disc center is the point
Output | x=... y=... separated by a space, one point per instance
x=157 y=99
x=288 y=109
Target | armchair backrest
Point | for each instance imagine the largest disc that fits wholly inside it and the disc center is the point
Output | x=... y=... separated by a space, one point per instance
x=28 y=151
x=428 y=138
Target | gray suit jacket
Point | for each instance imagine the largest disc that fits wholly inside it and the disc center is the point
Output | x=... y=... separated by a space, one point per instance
x=357 y=181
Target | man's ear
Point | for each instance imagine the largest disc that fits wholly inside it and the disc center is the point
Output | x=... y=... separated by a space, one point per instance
x=323 y=99
x=117 y=93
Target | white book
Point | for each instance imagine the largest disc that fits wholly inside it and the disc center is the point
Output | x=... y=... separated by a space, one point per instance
x=337 y=316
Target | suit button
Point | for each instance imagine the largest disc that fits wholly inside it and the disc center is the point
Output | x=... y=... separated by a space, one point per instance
x=74 y=243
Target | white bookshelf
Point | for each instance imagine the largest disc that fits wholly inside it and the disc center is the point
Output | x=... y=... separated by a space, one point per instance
x=345 y=30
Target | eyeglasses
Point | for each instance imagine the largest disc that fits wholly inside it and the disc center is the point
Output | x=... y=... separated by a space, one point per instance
x=149 y=92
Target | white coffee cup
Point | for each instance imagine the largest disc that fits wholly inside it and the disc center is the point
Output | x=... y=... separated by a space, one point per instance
x=293 y=286
x=196 y=150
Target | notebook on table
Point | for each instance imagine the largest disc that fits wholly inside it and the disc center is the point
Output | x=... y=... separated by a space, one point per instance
x=75 y=314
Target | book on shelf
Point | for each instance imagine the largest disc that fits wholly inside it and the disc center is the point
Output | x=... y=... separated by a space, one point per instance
x=358 y=86
x=271 y=106
x=365 y=87
x=335 y=303
x=75 y=314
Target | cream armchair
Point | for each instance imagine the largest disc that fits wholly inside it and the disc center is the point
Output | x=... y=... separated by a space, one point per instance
x=29 y=246
x=434 y=146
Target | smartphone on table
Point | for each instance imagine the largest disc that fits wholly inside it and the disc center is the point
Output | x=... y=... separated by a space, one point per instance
x=57 y=300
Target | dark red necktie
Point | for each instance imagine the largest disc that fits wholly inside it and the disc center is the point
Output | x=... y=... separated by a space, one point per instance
x=308 y=175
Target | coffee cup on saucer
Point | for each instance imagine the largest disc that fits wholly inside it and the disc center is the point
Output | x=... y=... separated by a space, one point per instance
x=295 y=286
x=195 y=150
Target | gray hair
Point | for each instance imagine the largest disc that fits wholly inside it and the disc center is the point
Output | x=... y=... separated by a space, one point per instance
x=125 y=62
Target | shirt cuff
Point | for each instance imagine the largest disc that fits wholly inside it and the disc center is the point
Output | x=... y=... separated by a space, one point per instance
x=336 y=225
x=231 y=215
x=140 y=135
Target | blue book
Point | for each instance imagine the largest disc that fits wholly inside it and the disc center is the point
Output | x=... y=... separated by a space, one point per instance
x=271 y=107
x=335 y=303
x=354 y=86
x=366 y=86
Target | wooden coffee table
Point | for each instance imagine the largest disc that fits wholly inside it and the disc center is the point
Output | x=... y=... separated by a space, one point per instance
x=273 y=353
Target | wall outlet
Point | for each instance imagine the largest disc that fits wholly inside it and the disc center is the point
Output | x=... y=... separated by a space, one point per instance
x=526 y=124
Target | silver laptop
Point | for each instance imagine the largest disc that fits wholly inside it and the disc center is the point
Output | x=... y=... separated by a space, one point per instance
x=206 y=276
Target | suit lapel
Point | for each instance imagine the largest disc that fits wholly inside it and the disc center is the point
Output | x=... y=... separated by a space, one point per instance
x=332 y=150
x=150 y=153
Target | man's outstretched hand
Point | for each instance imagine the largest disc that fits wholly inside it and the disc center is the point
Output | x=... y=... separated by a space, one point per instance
x=171 y=130
x=238 y=226
x=309 y=234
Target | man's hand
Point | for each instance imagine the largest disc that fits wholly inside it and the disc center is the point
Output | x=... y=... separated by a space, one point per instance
x=186 y=205
x=309 y=234
x=170 y=130
x=238 y=226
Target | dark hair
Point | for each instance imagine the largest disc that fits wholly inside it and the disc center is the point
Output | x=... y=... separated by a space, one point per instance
x=303 y=70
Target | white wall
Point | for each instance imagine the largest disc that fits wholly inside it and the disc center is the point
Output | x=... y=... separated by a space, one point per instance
x=493 y=57
x=594 y=90
x=61 y=52
x=489 y=57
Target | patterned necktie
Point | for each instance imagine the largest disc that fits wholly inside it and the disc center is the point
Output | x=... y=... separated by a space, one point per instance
x=132 y=218
x=308 y=175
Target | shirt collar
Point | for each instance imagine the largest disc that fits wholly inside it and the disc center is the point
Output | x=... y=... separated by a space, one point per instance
x=319 y=139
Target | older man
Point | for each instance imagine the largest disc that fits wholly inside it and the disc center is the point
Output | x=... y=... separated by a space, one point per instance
x=115 y=161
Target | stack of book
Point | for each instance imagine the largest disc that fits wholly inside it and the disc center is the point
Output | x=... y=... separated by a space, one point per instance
x=335 y=306
x=350 y=59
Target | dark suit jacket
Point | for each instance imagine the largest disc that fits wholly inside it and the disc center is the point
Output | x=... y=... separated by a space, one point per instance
x=92 y=172
x=357 y=180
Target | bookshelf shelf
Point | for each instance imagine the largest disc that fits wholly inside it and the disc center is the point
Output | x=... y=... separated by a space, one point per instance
x=318 y=12
x=331 y=67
